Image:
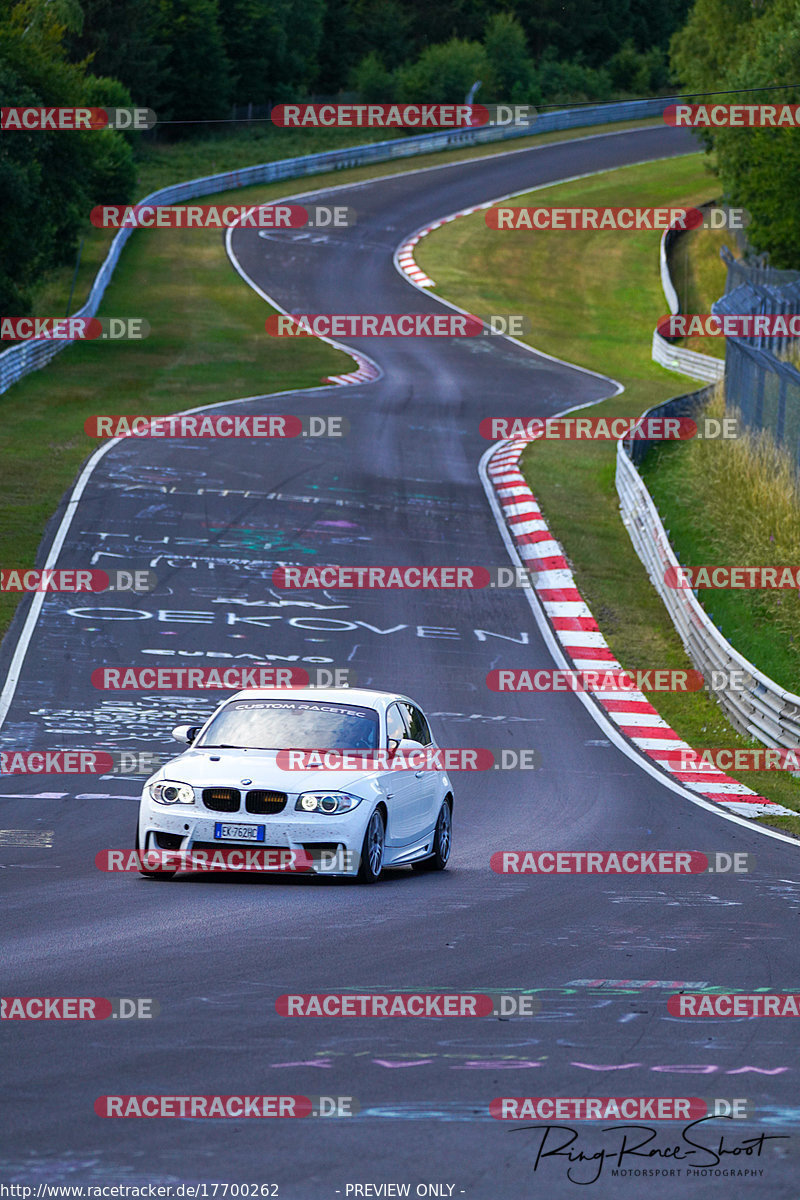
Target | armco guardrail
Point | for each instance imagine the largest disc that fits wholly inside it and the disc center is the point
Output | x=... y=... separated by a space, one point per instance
x=761 y=709
x=21 y=359
x=686 y=362
x=675 y=358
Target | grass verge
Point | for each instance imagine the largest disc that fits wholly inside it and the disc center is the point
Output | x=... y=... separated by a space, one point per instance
x=593 y=298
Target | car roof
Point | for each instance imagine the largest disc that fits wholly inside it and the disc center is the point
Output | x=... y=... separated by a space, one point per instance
x=364 y=697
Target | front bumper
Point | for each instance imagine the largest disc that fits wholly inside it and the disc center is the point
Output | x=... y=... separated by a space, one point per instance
x=335 y=841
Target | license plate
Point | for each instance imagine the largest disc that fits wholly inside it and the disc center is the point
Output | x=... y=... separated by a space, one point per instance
x=223 y=832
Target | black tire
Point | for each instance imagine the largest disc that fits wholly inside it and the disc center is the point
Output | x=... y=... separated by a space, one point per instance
x=371 y=865
x=442 y=842
x=152 y=874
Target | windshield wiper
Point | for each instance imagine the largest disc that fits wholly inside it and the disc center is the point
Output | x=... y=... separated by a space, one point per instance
x=224 y=746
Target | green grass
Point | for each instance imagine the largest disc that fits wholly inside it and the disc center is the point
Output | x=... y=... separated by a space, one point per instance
x=593 y=298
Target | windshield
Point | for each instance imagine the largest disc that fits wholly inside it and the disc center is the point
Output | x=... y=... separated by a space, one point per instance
x=292 y=725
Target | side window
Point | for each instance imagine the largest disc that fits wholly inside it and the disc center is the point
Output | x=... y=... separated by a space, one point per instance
x=417 y=725
x=395 y=723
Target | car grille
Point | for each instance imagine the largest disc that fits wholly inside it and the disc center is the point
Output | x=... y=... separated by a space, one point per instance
x=222 y=799
x=261 y=802
x=237 y=846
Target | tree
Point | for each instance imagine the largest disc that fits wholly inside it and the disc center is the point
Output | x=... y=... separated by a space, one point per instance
x=123 y=40
x=650 y=26
x=255 y=37
x=586 y=30
x=301 y=61
x=512 y=76
x=571 y=82
x=435 y=24
x=758 y=168
x=198 y=83
x=639 y=73
x=711 y=43
x=49 y=180
x=443 y=74
x=372 y=81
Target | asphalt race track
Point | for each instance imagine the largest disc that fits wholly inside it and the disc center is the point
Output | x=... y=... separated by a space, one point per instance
x=212 y=519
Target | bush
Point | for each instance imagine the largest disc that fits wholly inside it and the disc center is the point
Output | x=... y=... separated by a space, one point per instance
x=512 y=75
x=571 y=82
x=372 y=81
x=443 y=74
x=638 y=73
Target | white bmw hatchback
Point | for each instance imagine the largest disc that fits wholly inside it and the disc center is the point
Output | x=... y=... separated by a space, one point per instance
x=233 y=788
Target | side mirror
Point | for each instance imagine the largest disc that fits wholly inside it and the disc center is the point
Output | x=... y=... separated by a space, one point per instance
x=404 y=744
x=185 y=733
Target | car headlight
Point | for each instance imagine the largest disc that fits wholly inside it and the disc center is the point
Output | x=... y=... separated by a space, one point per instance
x=327 y=803
x=166 y=792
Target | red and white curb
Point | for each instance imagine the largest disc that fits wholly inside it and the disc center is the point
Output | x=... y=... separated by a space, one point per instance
x=584 y=645
x=405 y=260
x=405 y=252
x=366 y=370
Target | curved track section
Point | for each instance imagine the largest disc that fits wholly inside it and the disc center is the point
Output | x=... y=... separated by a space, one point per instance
x=212 y=520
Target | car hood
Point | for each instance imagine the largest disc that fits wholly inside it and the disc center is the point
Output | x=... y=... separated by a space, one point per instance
x=228 y=768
